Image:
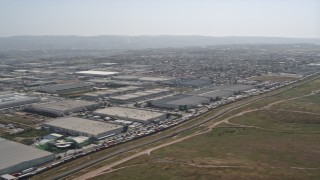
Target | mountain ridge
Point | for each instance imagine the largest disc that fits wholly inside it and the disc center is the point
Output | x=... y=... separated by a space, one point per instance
x=136 y=42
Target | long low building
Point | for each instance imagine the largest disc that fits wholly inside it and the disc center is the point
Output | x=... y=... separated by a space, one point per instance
x=132 y=114
x=213 y=94
x=96 y=73
x=65 y=88
x=141 y=95
x=141 y=78
x=235 y=88
x=181 y=102
x=109 y=82
x=61 y=108
x=16 y=157
x=194 y=83
x=223 y=91
x=104 y=93
x=12 y=99
x=82 y=127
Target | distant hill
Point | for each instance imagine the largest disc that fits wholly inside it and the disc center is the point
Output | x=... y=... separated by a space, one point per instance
x=134 y=42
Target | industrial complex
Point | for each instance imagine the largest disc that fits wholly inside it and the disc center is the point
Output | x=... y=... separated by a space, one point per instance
x=82 y=127
x=132 y=114
x=61 y=108
x=200 y=96
x=72 y=103
x=15 y=157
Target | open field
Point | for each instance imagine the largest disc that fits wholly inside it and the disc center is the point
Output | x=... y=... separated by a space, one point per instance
x=23 y=119
x=280 y=120
x=228 y=153
x=26 y=137
x=26 y=121
x=307 y=104
x=263 y=141
x=164 y=170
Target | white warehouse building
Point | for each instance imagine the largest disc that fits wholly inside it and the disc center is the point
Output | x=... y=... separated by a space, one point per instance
x=16 y=157
x=61 y=108
x=141 y=95
x=82 y=127
x=132 y=114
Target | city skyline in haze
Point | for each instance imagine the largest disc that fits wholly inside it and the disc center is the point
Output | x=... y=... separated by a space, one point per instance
x=272 y=18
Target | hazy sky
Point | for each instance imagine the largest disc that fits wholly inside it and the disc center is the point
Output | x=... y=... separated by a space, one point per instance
x=278 y=18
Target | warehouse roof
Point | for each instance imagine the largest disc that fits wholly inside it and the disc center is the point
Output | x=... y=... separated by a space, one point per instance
x=189 y=100
x=12 y=153
x=100 y=73
x=83 y=125
x=234 y=87
x=154 y=79
x=118 y=82
x=141 y=94
x=130 y=113
x=142 y=78
x=111 y=91
x=64 y=105
x=212 y=93
x=61 y=87
x=109 y=64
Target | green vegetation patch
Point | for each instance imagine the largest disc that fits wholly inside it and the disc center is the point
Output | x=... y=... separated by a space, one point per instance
x=301 y=90
x=306 y=104
x=280 y=120
x=27 y=136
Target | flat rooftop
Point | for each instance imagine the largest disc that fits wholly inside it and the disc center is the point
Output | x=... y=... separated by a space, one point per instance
x=120 y=82
x=100 y=73
x=141 y=94
x=154 y=79
x=109 y=64
x=142 y=78
x=112 y=91
x=190 y=100
x=83 y=125
x=64 y=105
x=212 y=93
x=12 y=153
x=130 y=113
x=234 y=87
x=66 y=86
